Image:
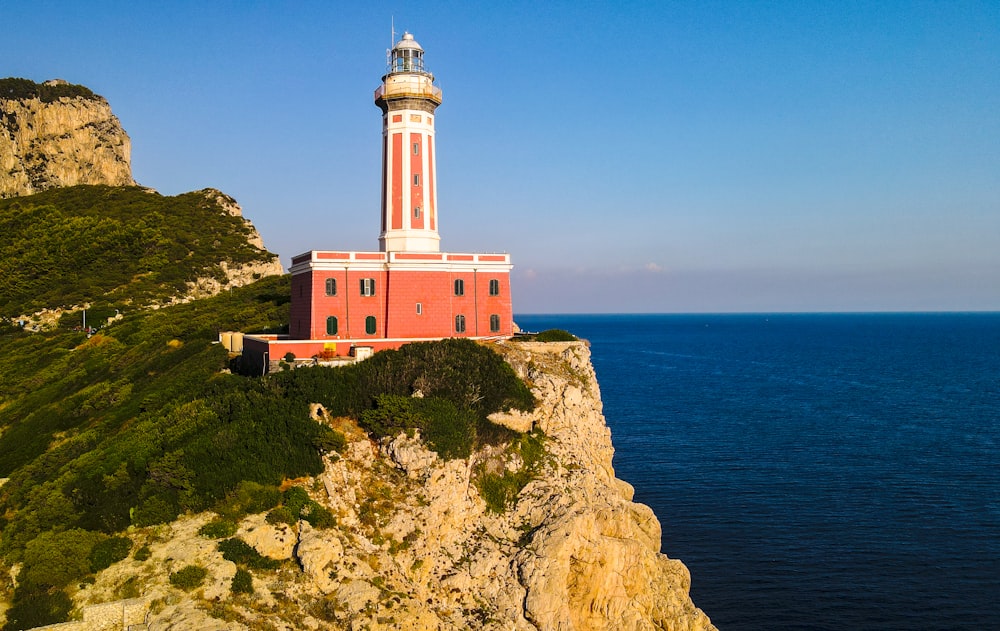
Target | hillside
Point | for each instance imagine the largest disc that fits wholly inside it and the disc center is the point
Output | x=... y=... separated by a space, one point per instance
x=141 y=422
x=121 y=248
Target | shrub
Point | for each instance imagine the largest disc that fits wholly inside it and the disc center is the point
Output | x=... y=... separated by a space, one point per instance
x=550 y=335
x=242 y=553
x=218 y=529
x=449 y=432
x=188 y=577
x=500 y=491
x=289 y=357
x=248 y=498
x=143 y=554
x=55 y=559
x=111 y=550
x=242 y=582
x=36 y=608
x=295 y=499
x=319 y=517
x=281 y=515
x=329 y=440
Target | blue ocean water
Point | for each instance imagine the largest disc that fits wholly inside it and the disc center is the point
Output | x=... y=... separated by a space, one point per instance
x=834 y=471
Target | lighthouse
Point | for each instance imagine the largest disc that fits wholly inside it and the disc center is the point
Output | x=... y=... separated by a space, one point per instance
x=408 y=98
x=348 y=304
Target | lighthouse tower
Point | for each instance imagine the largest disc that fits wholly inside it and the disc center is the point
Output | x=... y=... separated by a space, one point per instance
x=349 y=303
x=408 y=98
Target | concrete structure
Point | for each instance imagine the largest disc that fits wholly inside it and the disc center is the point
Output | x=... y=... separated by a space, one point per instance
x=347 y=303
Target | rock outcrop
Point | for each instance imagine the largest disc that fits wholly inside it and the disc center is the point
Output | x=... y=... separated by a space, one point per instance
x=61 y=142
x=416 y=546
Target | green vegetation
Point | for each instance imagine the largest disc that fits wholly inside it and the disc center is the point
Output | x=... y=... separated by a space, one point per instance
x=111 y=550
x=242 y=553
x=218 y=529
x=459 y=383
x=113 y=247
x=188 y=577
x=500 y=489
x=23 y=89
x=550 y=335
x=143 y=554
x=246 y=499
x=32 y=609
x=298 y=505
x=242 y=582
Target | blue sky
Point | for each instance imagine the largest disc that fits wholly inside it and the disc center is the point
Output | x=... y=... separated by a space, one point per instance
x=632 y=157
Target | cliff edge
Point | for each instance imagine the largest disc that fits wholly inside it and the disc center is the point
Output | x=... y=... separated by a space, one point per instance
x=416 y=546
x=56 y=134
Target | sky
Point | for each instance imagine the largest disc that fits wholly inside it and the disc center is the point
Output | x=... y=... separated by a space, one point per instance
x=630 y=156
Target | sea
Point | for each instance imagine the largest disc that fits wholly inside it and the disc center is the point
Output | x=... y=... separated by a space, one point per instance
x=813 y=471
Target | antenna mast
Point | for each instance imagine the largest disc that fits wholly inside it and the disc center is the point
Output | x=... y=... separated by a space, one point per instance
x=392 y=42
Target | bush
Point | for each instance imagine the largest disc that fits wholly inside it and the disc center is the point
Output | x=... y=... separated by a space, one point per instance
x=23 y=89
x=550 y=335
x=36 y=608
x=111 y=550
x=242 y=582
x=281 y=515
x=247 y=499
x=189 y=577
x=143 y=554
x=218 y=529
x=242 y=553
x=448 y=431
x=500 y=491
x=319 y=517
x=329 y=440
x=55 y=559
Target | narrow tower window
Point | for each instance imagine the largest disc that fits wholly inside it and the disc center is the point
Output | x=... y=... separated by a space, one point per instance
x=420 y=308
x=331 y=286
x=459 y=287
x=416 y=179
x=494 y=323
x=370 y=325
x=494 y=287
x=416 y=212
x=460 y=324
x=416 y=148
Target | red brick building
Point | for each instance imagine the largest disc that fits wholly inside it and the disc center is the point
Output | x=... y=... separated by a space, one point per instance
x=351 y=303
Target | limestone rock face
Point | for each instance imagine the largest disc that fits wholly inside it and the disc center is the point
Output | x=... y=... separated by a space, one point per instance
x=415 y=545
x=61 y=143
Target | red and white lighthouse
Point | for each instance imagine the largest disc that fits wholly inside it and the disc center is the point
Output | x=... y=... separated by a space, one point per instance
x=408 y=98
x=351 y=303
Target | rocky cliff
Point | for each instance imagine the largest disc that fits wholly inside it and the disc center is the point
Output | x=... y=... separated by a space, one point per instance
x=53 y=136
x=415 y=545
